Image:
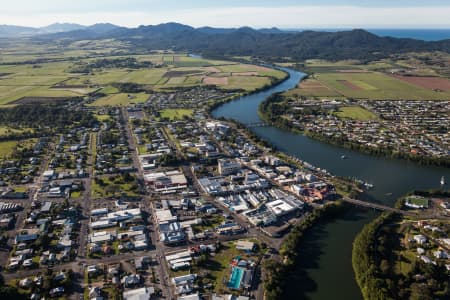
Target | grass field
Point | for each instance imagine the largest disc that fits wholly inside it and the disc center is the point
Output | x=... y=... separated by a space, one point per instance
x=120 y=99
x=6 y=148
x=418 y=201
x=176 y=114
x=6 y=130
x=355 y=113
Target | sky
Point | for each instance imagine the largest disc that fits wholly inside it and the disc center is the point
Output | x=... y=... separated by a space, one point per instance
x=233 y=13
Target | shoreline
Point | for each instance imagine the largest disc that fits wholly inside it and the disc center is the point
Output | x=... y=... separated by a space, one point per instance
x=386 y=153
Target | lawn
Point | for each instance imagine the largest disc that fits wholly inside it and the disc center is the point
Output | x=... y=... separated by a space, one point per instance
x=120 y=99
x=418 y=201
x=355 y=113
x=113 y=188
x=176 y=114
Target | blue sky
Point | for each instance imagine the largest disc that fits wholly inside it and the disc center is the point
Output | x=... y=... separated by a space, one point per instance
x=233 y=13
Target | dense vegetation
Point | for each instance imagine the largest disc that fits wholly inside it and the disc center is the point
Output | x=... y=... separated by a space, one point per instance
x=106 y=63
x=355 y=44
x=37 y=115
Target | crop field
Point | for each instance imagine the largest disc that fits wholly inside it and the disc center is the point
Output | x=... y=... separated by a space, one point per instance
x=355 y=113
x=377 y=80
x=23 y=80
x=248 y=83
x=377 y=86
x=431 y=83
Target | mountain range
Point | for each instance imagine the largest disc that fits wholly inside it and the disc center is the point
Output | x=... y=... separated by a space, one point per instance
x=271 y=43
x=10 y=31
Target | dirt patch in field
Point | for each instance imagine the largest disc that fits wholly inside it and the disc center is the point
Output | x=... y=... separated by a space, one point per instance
x=431 y=83
x=215 y=80
x=70 y=86
x=42 y=100
x=312 y=84
x=349 y=85
x=211 y=69
x=245 y=74
x=352 y=71
x=171 y=74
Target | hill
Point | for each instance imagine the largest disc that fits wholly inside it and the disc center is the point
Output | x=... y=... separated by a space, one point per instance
x=266 y=43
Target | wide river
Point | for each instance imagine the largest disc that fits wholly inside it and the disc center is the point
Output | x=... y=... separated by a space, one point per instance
x=325 y=270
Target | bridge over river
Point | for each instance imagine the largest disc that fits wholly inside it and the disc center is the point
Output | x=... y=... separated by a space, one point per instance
x=381 y=207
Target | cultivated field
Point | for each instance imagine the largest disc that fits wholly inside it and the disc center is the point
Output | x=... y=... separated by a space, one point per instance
x=394 y=78
x=56 y=75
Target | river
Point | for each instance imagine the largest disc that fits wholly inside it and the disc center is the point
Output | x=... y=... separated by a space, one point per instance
x=325 y=270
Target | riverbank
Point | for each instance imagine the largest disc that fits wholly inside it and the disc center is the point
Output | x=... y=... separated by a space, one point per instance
x=324 y=269
x=268 y=114
x=274 y=82
x=391 y=261
x=276 y=273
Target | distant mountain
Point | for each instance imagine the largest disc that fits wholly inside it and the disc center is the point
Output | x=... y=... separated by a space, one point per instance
x=60 y=27
x=266 y=43
x=11 y=30
x=103 y=27
x=56 y=29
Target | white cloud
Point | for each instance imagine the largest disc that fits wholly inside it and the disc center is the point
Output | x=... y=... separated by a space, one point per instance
x=285 y=17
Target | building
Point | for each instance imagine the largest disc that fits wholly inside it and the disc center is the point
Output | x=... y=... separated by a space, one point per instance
x=144 y=293
x=166 y=181
x=228 y=167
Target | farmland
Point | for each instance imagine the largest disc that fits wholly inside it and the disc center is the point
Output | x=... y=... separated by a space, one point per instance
x=79 y=73
x=379 y=80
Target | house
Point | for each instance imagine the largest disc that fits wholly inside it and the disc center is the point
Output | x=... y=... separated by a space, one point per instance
x=420 y=239
x=23 y=238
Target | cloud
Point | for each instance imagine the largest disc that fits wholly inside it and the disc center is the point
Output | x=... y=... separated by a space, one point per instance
x=285 y=17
